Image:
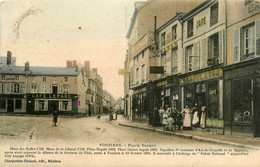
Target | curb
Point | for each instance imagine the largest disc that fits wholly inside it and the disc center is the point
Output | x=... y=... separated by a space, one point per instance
x=197 y=138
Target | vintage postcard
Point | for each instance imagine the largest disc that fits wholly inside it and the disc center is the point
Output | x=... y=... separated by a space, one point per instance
x=129 y=83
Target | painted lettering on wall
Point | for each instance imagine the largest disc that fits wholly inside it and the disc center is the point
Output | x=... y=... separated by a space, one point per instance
x=213 y=92
x=255 y=6
x=201 y=22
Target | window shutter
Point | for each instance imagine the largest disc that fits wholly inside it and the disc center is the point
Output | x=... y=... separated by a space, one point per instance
x=221 y=46
x=20 y=88
x=203 y=58
x=69 y=89
x=1 y=88
x=59 y=89
x=196 y=62
x=12 y=87
x=257 y=38
x=38 y=88
x=236 y=49
x=69 y=105
x=36 y=105
x=45 y=105
x=30 y=88
x=60 y=106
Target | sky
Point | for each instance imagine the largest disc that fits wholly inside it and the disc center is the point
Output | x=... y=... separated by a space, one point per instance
x=49 y=32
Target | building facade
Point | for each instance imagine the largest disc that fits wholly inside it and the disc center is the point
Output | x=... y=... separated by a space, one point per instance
x=242 y=71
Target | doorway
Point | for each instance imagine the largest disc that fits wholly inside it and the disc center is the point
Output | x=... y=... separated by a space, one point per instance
x=256 y=109
x=53 y=106
x=10 y=105
x=54 y=89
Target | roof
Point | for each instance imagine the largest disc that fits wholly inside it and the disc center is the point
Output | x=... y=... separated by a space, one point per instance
x=137 y=4
x=198 y=9
x=56 y=71
x=177 y=17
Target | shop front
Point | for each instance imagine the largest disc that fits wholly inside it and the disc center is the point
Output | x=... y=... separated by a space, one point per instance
x=47 y=103
x=205 y=88
x=12 y=103
x=241 y=98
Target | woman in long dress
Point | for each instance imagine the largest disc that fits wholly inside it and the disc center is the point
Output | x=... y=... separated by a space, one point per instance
x=195 y=120
x=203 y=117
x=187 y=118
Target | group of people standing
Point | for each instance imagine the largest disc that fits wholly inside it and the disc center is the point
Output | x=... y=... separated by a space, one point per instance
x=194 y=117
x=188 y=118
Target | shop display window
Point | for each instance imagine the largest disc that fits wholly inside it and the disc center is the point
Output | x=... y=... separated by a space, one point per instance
x=213 y=100
x=242 y=98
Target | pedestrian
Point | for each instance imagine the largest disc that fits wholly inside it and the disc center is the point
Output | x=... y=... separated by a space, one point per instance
x=187 y=118
x=55 y=118
x=164 y=122
x=161 y=111
x=170 y=122
x=196 y=119
x=179 y=120
x=203 y=117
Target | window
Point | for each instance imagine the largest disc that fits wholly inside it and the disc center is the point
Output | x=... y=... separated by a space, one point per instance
x=248 y=2
x=163 y=39
x=17 y=77
x=41 y=105
x=174 y=32
x=3 y=77
x=44 y=79
x=143 y=73
x=190 y=28
x=4 y=88
x=16 y=88
x=213 y=58
x=66 y=79
x=136 y=75
x=213 y=100
x=174 y=61
x=34 y=88
x=142 y=54
x=2 y=104
x=214 y=14
x=18 y=104
x=190 y=57
x=65 y=88
x=242 y=93
x=249 y=41
x=65 y=105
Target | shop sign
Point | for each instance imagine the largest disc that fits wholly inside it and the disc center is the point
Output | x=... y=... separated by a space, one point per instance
x=201 y=22
x=189 y=95
x=213 y=92
x=161 y=83
x=254 y=6
x=124 y=72
x=202 y=76
x=140 y=90
x=52 y=96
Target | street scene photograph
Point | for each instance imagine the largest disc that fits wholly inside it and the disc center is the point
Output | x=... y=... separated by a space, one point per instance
x=129 y=83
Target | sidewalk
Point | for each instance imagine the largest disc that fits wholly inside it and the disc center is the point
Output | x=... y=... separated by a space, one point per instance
x=244 y=142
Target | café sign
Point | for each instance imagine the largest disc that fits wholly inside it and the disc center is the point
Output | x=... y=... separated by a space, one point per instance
x=52 y=96
x=202 y=76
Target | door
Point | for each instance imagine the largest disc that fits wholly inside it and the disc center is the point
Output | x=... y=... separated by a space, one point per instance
x=10 y=105
x=256 y=107
x=54 y=106
x=54 y=89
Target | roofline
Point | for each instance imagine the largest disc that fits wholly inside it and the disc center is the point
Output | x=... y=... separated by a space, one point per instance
x=176 y=17
x=198 y=9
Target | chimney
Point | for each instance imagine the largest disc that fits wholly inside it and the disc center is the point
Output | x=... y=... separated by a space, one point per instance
x=69 y=64
x=9 y=58
x=74 y=64
x=26 y=66
x=77 y=68
x=87 y=68
x=95 y=70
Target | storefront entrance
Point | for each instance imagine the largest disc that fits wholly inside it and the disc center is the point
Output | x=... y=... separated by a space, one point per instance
x=10 y=105
x=54 y=106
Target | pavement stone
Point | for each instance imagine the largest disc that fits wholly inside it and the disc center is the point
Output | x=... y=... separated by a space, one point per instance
x=202 y=136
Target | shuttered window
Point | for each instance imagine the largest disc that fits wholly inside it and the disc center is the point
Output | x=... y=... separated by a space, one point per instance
x=221 y=46
x=236 y=48
x=257 y=37
x=163 y=40
x=190 y=28
x=174 y=61
x=196 y=58
x=203 y=57
x=214 y=14
x=249 y=41
x=189 y=54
